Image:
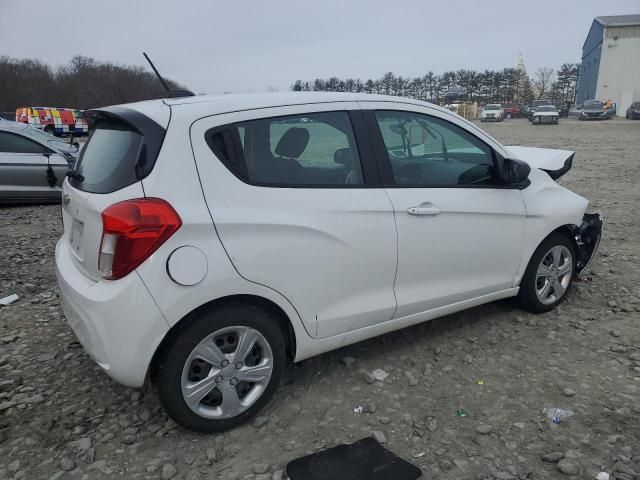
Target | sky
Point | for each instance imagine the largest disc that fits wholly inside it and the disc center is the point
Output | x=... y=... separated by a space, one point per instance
x=254 y=45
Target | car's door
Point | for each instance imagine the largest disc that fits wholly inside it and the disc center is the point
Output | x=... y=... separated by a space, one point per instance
x=295 y=199
x=24 y=168
x=459 y=230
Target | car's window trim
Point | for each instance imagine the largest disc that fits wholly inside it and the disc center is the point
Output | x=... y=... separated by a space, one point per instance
x=382 y=156
x=48 y=151
x=368 y=163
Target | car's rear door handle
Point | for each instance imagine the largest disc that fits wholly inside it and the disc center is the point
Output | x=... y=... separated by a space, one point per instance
x=424 y=210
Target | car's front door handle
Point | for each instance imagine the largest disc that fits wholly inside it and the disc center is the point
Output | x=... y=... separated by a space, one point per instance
x=423 y=210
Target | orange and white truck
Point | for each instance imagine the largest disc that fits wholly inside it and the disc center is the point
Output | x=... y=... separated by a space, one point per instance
x=57 y=121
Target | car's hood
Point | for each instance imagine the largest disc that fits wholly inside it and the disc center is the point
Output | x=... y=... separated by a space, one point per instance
x=593 y=110
x=545 y=114
x=555 y=162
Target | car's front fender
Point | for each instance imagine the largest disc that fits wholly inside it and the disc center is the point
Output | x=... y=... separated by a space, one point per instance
x=549 y=206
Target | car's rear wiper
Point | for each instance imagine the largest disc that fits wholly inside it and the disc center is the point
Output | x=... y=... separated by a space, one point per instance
x=71 y=173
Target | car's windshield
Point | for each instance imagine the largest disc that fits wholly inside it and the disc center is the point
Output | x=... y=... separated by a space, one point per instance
x=546 y=109
x=592 y=104
x=492 y=107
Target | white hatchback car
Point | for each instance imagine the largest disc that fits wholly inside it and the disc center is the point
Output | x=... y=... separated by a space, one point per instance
x=210 y=240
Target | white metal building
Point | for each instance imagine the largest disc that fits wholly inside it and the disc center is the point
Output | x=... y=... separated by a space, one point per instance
x=611 y=61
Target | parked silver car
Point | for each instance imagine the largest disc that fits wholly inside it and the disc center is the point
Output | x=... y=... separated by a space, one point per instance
x=33 y=164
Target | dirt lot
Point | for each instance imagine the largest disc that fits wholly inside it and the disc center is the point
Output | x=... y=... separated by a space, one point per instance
x=61 y=417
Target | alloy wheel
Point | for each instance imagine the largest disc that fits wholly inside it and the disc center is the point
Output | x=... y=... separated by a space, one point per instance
x=227 y=372
x=554 y=274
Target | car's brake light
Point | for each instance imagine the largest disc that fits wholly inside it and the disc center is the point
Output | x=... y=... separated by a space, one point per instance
x=131 y=231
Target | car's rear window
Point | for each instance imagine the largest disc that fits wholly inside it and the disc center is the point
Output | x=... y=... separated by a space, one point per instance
x=108 y=161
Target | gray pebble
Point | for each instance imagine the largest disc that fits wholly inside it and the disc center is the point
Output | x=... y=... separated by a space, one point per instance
x=192 y=474
x=568 y=392
x=67 y=464
x=260 y=421
x=484 y=429
x=379 y=436
x=568 y=467
x=553 y=457
x=168 y=471
x=212 y=456
x=348 y=361
x=260 y=468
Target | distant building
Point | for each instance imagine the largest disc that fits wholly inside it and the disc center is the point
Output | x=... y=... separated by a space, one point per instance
x=520 y=67
x=611 y=61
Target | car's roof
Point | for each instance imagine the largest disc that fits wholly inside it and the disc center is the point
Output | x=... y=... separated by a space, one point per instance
x=10 y=126
x=216 y=104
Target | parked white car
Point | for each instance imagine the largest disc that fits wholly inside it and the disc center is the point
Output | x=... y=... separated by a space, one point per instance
x=492 y=113
x=210 y=240
x=547 y=114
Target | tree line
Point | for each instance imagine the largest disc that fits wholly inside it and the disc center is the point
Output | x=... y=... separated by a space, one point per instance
x=82 y=83
x=508 y=85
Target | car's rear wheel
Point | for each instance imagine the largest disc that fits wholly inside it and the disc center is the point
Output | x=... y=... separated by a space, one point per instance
x=548 y=276
x=222 y=369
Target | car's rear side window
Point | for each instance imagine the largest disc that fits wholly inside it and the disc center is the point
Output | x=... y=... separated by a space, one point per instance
x=108 y=160
x=315 y=149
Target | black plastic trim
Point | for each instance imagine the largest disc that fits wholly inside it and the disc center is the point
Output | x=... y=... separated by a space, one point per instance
x=555 y=174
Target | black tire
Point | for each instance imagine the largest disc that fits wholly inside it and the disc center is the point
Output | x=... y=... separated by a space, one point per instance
x=527 y=297
x=167 y=372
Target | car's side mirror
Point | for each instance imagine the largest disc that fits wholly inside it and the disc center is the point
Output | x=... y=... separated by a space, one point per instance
x=515 y=172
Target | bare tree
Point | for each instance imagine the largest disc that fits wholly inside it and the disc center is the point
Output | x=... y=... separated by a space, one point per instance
x=543 y=81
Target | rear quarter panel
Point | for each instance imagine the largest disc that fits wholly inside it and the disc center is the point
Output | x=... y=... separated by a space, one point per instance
x=175 y=179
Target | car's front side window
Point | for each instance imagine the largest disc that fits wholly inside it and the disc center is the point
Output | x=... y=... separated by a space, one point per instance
x=426 y=151
x=316 y=149
x=12 y=143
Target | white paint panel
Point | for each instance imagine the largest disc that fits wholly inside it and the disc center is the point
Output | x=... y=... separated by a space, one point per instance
x=619 y=66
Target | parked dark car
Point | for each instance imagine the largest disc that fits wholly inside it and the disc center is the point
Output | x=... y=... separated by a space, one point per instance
x=633 y=112
x=593 y=110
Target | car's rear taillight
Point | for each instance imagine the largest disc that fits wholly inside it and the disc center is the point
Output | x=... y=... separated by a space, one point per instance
x=131 y=231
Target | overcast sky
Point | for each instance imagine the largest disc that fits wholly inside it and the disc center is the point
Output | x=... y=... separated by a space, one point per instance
x=214 y=46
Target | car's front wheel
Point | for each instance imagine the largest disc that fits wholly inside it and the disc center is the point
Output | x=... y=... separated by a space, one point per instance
x=549 y=274
x=222 y=369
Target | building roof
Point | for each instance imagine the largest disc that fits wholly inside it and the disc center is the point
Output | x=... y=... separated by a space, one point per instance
x=619 y=20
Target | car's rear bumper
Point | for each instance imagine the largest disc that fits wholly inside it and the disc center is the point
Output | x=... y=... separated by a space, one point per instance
x=117 y=322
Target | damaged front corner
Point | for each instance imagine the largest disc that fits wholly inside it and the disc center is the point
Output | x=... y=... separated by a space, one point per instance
x=587 y=236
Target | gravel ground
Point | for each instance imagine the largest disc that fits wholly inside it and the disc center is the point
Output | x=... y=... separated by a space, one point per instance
x=61 y=417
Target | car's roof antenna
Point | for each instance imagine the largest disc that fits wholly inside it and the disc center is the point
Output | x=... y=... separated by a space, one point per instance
x=172 y=92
